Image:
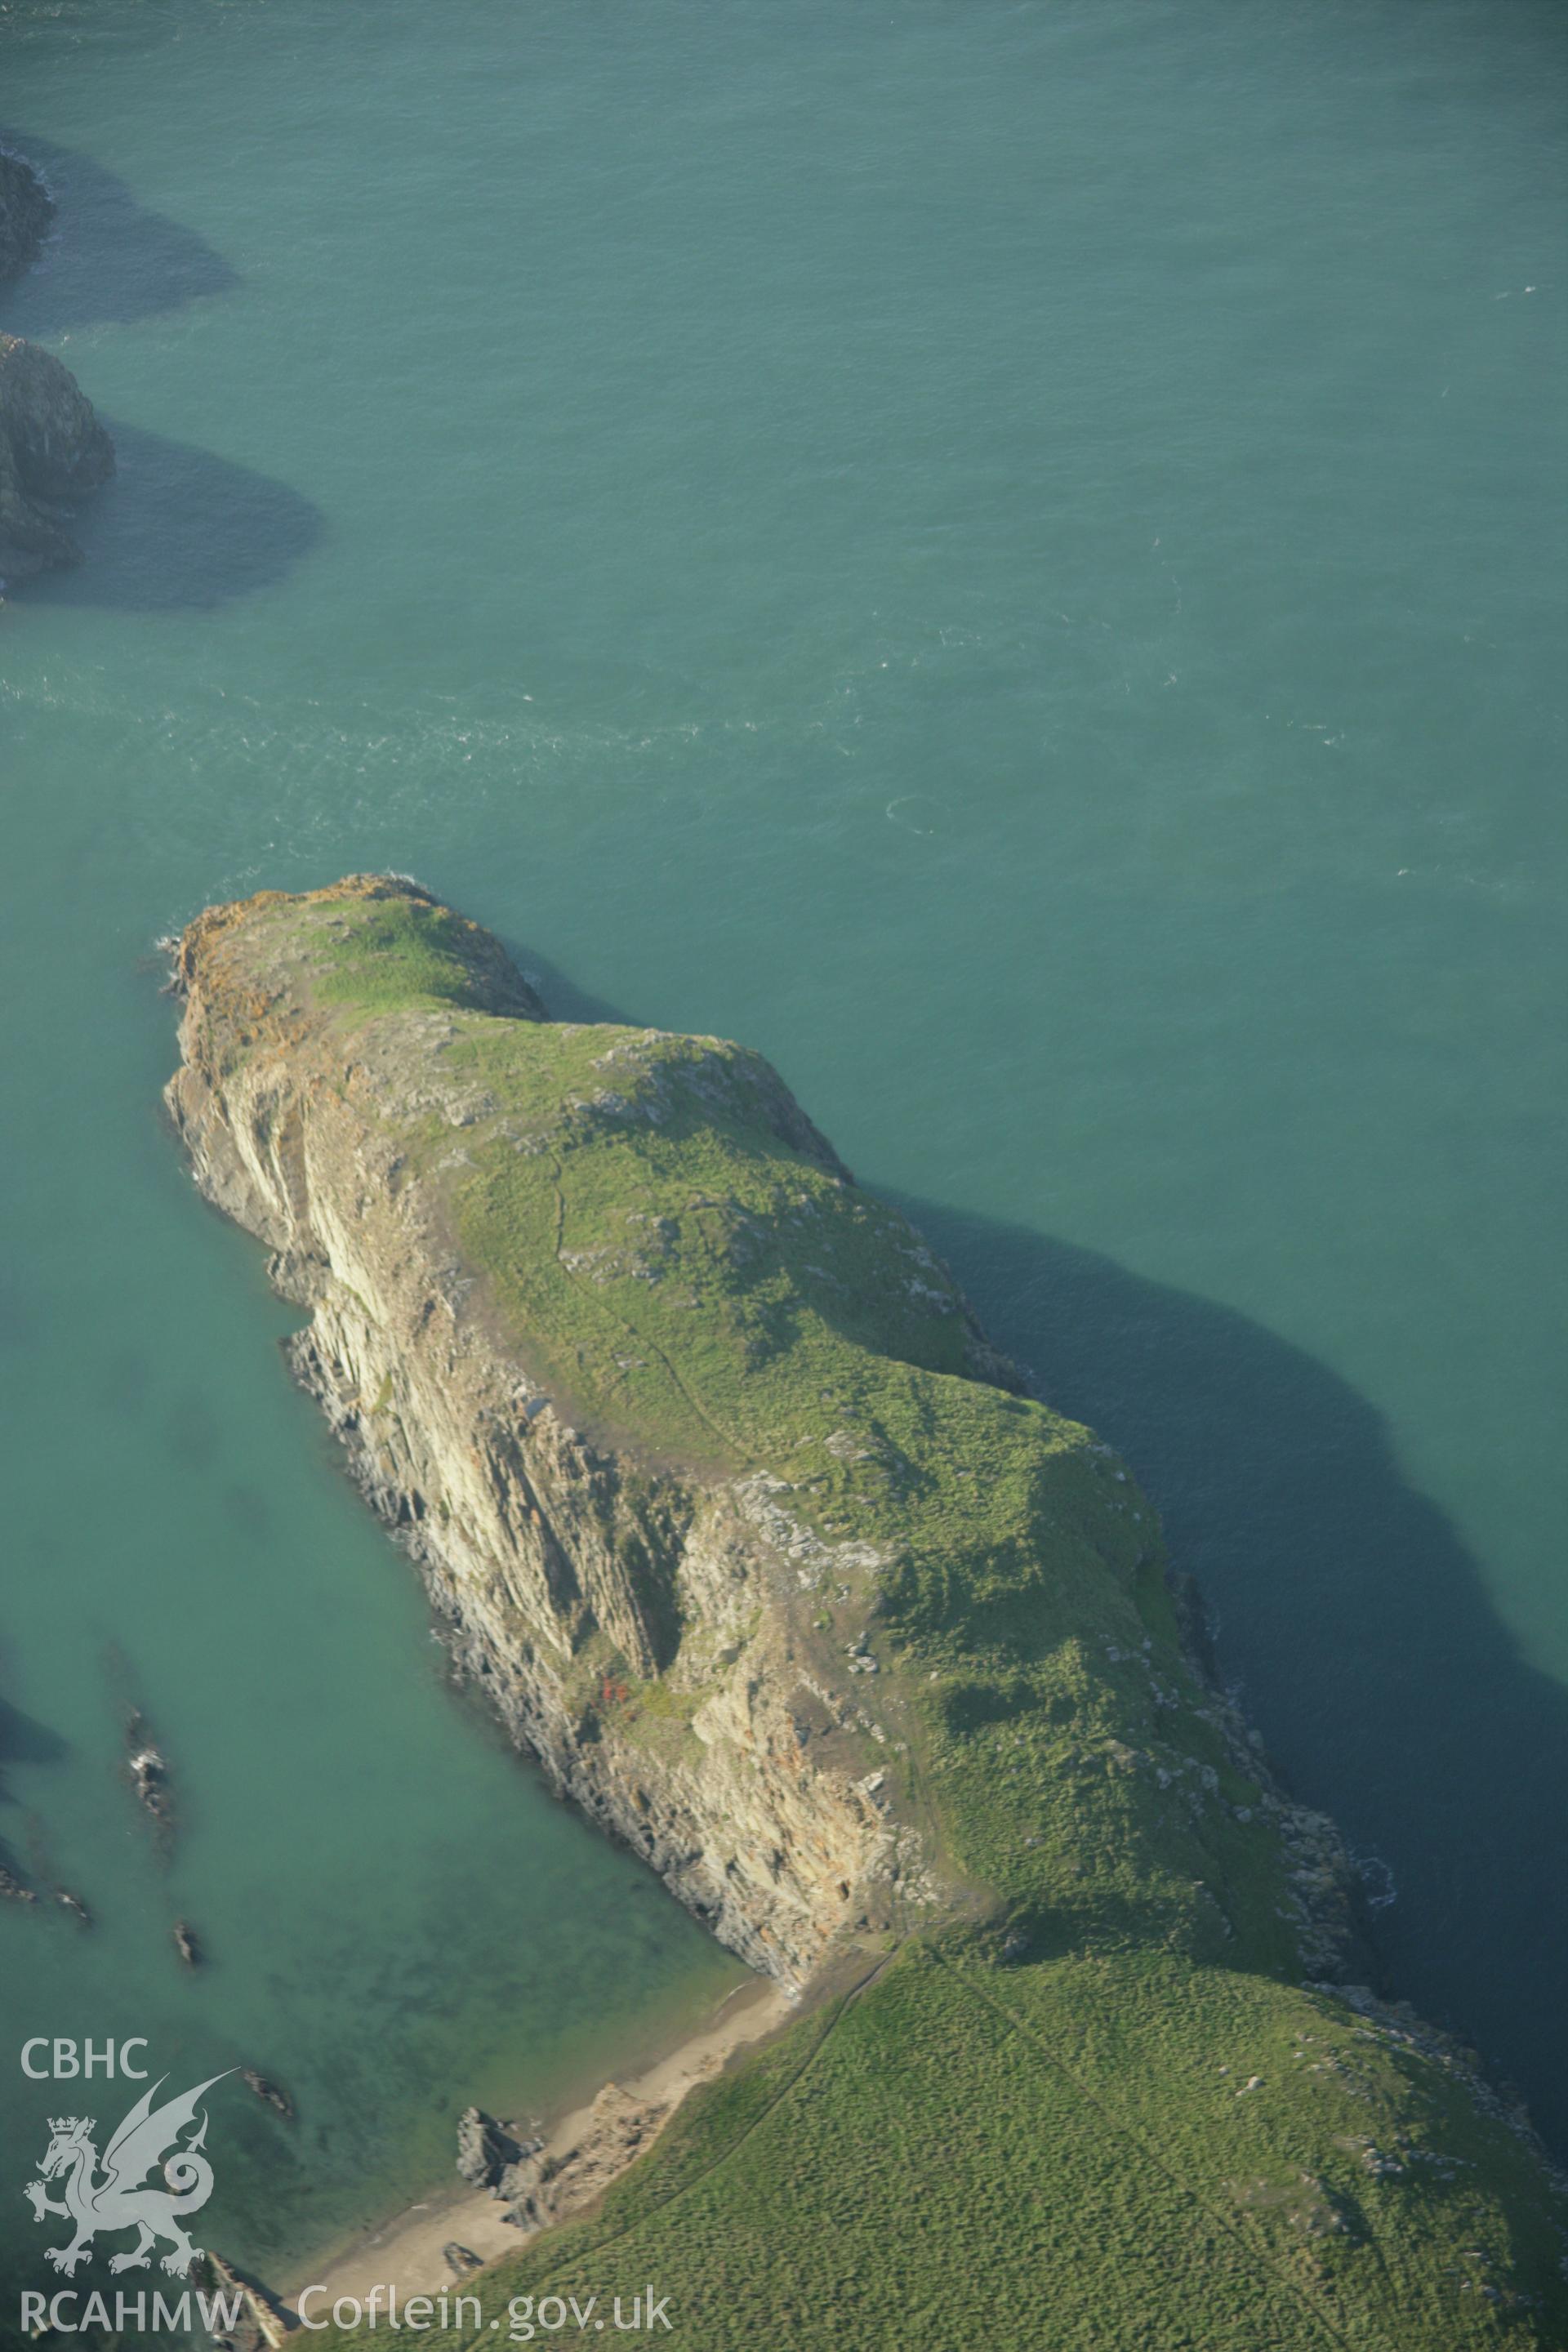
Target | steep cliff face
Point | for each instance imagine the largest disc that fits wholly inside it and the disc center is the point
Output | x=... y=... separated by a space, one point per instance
x=52 y=451
x=631 y=1620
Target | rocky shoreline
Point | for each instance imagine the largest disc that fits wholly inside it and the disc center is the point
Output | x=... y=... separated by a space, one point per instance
x=566 y=2169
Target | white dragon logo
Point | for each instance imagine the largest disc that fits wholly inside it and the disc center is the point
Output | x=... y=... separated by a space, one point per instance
x=119 y=2200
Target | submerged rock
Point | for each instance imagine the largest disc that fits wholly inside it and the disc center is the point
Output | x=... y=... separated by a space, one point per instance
x=265 y=2088
x=26 y=209
x=185 y=1944
x=485 y=2148
x=53 y=450
x=148 y=1768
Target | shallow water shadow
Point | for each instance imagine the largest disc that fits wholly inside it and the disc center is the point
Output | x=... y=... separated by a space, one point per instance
x=24 y=1740
x=1388 y=1689
x=563 y=1000
x=179 y=530
x=107 y=259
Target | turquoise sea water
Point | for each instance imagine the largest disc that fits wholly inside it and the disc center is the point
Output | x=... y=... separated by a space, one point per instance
x=1005 y=554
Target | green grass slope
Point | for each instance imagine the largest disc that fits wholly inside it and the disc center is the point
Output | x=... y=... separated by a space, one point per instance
x=1090 y=2099
x=1052 y=2157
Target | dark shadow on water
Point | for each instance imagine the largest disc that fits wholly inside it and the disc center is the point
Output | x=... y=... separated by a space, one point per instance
x=1389 y=1691
x=179 y=530
x=108 y=260
x=24 y=1741
x=563 y=1000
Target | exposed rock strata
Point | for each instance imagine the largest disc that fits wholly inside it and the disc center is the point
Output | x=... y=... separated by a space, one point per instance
x=52 y=451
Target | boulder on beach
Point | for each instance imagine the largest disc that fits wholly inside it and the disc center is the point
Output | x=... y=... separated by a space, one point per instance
x=485 y=2148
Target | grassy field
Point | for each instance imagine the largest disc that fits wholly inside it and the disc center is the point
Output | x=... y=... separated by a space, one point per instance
x=1092 y=2101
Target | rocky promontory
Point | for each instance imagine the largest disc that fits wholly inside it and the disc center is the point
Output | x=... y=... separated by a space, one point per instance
x=759 y=1548
x=52 y=451
x=642 y=1622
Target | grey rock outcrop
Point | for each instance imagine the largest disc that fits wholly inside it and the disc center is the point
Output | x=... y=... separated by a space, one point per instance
x=26 y=209
x=485 y=2148
x=52 y=451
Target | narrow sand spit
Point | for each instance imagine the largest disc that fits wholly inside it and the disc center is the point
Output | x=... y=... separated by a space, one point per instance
x=407 y=2253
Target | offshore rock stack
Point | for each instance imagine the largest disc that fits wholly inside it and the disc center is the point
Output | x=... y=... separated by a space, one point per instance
x=53 y=450
x=27 y=212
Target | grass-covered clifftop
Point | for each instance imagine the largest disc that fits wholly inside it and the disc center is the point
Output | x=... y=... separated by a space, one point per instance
x=1076 y=2076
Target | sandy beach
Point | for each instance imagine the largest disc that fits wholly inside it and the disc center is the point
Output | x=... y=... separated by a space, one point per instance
x=406 y=2252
